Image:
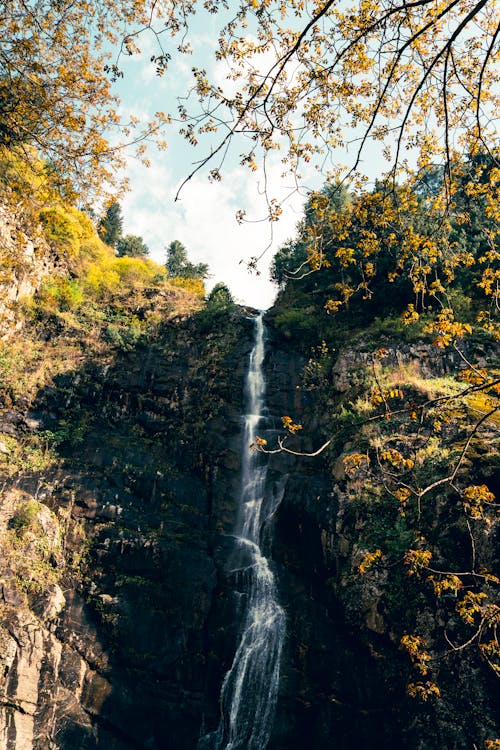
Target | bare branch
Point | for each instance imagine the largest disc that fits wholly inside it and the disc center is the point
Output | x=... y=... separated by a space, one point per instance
x=451 y=477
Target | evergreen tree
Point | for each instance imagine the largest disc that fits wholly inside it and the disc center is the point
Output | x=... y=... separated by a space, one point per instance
x=131 y=245
x=220 y=297
x=177 y=263
x=111 y=225
x=176 y=258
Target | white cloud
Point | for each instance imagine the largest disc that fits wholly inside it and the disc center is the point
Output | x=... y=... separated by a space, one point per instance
x=204 y=218
x=204 y=221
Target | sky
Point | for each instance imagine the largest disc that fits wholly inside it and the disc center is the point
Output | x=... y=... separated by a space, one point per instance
x=204 y=216
x=204 y=220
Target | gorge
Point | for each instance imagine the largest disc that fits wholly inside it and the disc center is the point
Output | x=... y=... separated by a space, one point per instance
x=225 y=529
x=155 y=571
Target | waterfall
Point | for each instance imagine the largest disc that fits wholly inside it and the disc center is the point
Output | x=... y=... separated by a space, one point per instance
x=249 y=690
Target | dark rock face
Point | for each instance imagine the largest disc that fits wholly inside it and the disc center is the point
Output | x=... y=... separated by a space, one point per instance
x=126 y=643
x=146 y=482
x=344 y=677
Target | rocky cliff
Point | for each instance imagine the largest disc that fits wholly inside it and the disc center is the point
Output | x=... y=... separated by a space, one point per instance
x=108 y=571
x=344 y=680
x=26 y=259
x=118 y=618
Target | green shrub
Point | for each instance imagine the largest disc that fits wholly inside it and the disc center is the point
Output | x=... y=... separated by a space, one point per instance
x=62 y=229
x=135 y=271
x=101 y=279
x=107 y=276
x=60 y=293
x=126 y=336
x=293 y=322
x=25 y=517
x=219 y=305
x=193 y=286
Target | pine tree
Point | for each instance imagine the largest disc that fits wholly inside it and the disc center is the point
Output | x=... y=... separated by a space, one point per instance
x=111 y=225
x=177 y=263
x=132 y=246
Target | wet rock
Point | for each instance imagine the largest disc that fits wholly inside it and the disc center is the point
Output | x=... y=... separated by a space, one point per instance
x=129 y=648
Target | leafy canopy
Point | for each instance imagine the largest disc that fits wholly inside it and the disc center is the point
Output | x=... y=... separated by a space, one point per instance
x=392 y=251
x=310 y=76
x=305 y=76
x=56 y=96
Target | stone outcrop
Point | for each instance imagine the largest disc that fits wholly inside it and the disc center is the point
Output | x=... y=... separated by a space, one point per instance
x=119 y=629
x=25 y=260
x=106 y=647
x=343 y=675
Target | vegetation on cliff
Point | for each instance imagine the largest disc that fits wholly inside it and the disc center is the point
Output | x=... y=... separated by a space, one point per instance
x=88 y=307
x=88 y=284
x=404 y=373
x=414 y=260
x=366 y=256
x=111 y=373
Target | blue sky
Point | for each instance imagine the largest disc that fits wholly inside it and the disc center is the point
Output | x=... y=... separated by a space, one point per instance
x=204 y=217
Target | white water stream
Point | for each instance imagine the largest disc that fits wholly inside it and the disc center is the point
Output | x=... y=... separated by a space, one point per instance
x=249 y=691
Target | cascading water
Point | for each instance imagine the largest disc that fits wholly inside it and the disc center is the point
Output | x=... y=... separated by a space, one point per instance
x=249 y=691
